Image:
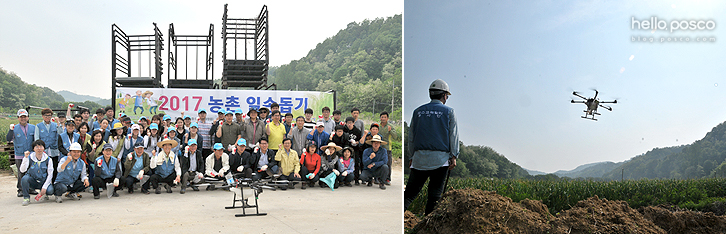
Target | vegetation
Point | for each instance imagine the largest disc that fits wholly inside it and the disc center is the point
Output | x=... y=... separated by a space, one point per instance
x=4 y=161
x=704 y=158
x=363 y=63
x=697 y=194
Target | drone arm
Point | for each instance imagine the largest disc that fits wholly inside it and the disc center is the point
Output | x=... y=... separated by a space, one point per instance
x=578 y=95
x=573 y=101
x=607 y=107
x=616 y=101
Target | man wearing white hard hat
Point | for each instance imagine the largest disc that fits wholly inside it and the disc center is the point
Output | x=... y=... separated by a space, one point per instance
x=166 y=165
x=72 y=177
x=22 y=137
x=434 y=138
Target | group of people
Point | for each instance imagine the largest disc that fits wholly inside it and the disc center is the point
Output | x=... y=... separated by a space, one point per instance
x=65 y=157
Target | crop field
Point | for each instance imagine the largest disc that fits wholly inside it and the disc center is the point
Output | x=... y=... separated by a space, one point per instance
x=558 y=195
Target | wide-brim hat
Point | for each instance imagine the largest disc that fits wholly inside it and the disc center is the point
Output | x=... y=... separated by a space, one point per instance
x=167 y=141
x=331 y=144
x=147 y=92
x=376 y=138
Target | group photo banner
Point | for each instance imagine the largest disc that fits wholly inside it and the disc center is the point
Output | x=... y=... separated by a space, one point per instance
x=137 y=102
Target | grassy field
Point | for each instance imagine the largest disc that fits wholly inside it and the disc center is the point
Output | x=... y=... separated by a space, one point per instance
x=696 y=194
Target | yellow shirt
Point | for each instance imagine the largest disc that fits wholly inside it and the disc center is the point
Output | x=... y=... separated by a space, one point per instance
x=277 y=133
x=288 y=162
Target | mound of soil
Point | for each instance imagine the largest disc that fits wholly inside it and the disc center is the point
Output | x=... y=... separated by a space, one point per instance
x=595 y=215
x=477 y=211
x=410 y=220
x=682 y=221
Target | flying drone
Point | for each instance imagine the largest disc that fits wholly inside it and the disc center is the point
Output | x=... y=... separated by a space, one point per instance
x=592 y=105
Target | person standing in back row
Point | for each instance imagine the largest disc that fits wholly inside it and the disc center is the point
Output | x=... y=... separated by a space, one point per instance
x=434 y=137
x=22 y=138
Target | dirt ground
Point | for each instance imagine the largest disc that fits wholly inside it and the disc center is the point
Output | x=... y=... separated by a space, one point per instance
x=357 y=209
x=477 y=211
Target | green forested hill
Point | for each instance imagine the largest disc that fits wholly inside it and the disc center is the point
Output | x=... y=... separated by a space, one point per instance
x=362 y=62
x=16 y=94
x=703 y=158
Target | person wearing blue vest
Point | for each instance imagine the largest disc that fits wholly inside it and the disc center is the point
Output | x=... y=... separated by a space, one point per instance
x=434 y=138
x=108 y=170
x=38 y=169
x=22 y=138
x=137 y=169
x=72 y=177
x=130 y=142
x=166 y=166
x=48 y=132
x=67 y=138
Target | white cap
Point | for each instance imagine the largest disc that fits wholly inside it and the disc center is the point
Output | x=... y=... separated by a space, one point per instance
x=75 y=146
x=22 y=112
x=135 y=127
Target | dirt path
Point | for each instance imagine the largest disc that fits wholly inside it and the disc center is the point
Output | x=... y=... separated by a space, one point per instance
x=359 y=209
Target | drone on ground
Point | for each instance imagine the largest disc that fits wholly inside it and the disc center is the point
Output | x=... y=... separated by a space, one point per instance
x=592 y=105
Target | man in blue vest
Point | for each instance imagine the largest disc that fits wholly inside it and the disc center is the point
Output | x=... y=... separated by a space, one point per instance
x=72 y=175
x=48 y=132
x=108 y=170
x=434 y=137
x=136 y=169
x=22 y=138
x=38 y=169
x=166 y=165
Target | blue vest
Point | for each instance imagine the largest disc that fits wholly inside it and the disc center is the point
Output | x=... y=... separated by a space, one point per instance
x=108 y=170
x=38 y=170
x=165 y=169
x=69 y=176
x=66 y=142
x=49 y=134
x=431 y=127
x=126 y=152
x=21 y=141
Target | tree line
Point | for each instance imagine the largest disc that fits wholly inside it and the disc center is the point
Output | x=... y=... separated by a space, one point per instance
x=362 y=62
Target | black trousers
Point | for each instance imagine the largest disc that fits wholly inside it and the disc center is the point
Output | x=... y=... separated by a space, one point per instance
x=416 y=181
x=129 y=182
x=98 y=182
x=304 y=172
x=156 y=178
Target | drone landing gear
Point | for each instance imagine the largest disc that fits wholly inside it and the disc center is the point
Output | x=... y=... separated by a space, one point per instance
x=256 y=188
x=590 y=118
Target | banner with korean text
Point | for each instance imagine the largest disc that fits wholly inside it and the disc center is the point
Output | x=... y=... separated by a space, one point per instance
x=137 y=102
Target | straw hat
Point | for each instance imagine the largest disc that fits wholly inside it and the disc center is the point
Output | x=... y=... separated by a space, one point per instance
x=331 y=144
x=147 y=92
x=167 y=141
x=376 y=138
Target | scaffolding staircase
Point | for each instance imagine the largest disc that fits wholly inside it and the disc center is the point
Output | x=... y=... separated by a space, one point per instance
x=245 y=53
x=179 y=55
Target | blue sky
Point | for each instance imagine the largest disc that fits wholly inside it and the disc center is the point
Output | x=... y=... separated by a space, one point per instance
x=512 y=67
x=60 y=44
